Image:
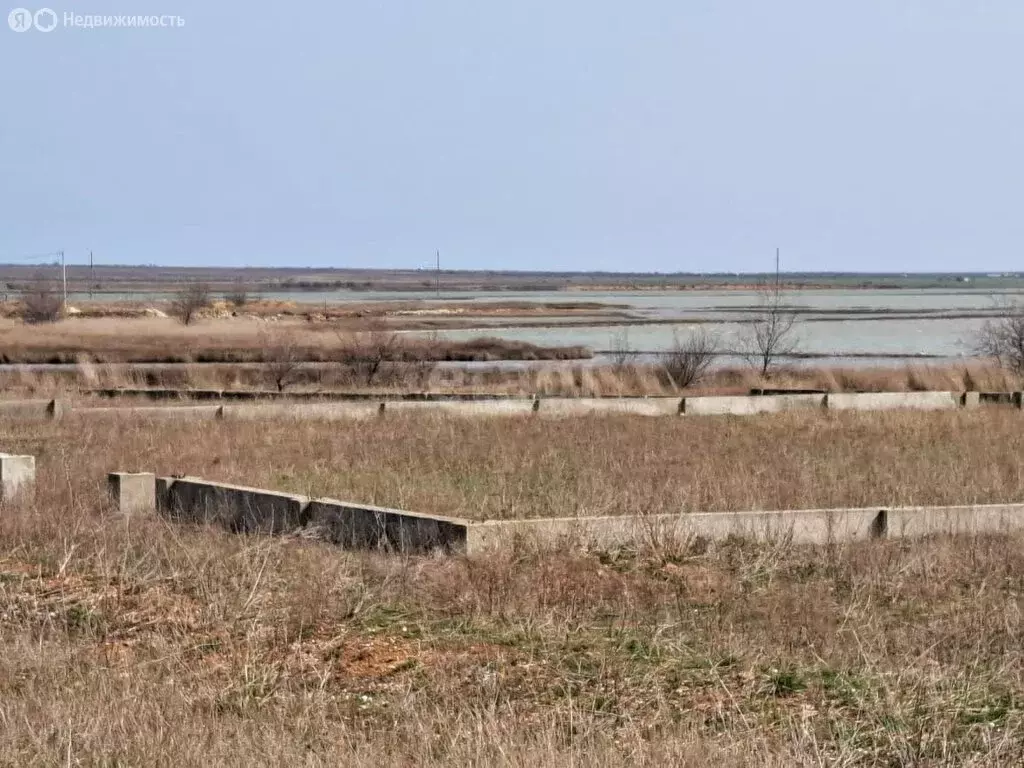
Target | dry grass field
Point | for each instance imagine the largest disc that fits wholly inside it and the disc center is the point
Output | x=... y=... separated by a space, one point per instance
x=135 y=641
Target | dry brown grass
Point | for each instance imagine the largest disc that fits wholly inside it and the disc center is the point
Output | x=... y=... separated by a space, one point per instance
x=132 y=641
x=555 y=379
x=163 y=340
x=512 y=467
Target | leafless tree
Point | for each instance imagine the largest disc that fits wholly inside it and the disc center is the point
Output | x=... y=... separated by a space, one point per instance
x=42 y=301
x=772 y=333
x=189 y=300
x=283 y=358
x=689 y=358
x=1002 y=338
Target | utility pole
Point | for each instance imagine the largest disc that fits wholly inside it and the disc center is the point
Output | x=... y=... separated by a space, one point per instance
x=92 y=275
x=64 y=278
x=776 y=269
x=437 y=275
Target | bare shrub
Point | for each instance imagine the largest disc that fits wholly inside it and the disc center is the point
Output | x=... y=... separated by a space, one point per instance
x=1002 y=338
x=238 y=296
x=189 y=300
x=283 y=358
x=366 y=352
x=42 y=301
x=621 y=352
x=689 y=358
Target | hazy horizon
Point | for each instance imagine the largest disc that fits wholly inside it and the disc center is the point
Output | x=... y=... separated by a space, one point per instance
x=867 y=138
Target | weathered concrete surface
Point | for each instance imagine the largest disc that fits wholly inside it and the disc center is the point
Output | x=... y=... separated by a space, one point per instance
x=17 y=476
x=132 y=492
x=970 y=400
x=640 y=406
x=886 y=401
x=745 y=405
x=518 y=407
x=236 y=507
x=970 y=519
x=813 y=526
x=162 y=412
x=363 y=526
x=310 y=411
x=31 y=410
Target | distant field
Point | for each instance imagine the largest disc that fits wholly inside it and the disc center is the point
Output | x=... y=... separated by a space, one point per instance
x=121 y=279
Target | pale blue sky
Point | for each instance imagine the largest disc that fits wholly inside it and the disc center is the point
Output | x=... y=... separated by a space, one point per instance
x=691 y=135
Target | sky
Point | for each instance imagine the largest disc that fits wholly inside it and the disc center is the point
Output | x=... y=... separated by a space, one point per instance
x=656 y=135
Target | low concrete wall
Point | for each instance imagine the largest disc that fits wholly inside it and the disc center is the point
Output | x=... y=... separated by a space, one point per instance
x=363 y=526
x=163 y=412
x=31 y=410
x=641 y=406
x=744 y=405
x=972 y=519
x=310 y=411
x=812 y=526
x=518 y=407
x=886 y=401
x=236 y=507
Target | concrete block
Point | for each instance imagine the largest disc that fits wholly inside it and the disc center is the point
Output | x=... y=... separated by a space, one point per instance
x=363 y=526
x=310 y=411
x=970 y=519
x=133 y=492
x=17 y=476
x=970 y=400
x=640 y=406
x=237 y=508
x=812 y=526
x=744 y=405
x=886 y=401
x=25 y=410
x=518 y=407
x=161 y=412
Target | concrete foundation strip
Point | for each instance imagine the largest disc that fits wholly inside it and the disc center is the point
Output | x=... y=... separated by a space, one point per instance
x=361 y=408
x=365 y=526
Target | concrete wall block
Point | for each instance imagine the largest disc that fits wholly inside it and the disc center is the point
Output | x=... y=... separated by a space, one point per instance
x=133 y=492
x=641 y=406
x=745 y=405
x=884 y=401
x=17 y=476
x=971 y=519
x=813 y=526
x=311 y=411
x=237 y=508
x=362 y=526
x=162 y=412
x=25 y=410
x=520 y=407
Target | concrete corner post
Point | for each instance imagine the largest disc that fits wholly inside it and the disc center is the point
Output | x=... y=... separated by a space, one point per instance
x=17 y=476
x=133 y=492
